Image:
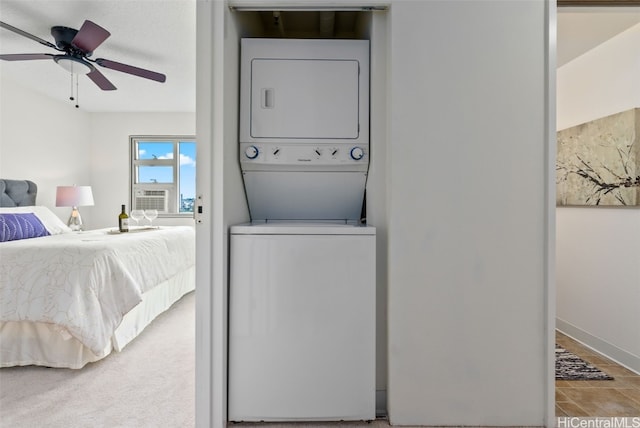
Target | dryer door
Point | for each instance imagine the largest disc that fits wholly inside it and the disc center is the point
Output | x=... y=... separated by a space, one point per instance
x=304 y=98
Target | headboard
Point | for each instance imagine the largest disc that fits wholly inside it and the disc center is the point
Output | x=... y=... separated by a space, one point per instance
x=17 y=193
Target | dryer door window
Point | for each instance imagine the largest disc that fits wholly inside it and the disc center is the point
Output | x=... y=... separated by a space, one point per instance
x=304 y=98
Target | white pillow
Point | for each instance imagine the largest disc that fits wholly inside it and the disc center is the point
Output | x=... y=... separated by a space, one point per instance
x=50 y=221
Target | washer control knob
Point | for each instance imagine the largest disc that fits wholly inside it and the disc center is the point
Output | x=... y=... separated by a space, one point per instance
x=357 y=153
x=251 y=152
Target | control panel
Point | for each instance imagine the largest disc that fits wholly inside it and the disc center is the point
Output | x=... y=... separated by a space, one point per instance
x=337 y=155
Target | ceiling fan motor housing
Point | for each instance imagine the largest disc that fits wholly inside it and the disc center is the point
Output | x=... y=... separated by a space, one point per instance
x=63 y=37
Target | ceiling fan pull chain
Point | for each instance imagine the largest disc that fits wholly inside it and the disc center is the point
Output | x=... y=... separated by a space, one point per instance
x=77 y=93
x=71 y=88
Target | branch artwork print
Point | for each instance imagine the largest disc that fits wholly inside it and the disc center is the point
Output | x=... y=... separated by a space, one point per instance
x=599 y=162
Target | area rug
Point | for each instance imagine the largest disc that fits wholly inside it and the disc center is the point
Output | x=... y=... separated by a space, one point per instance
x=571 y=367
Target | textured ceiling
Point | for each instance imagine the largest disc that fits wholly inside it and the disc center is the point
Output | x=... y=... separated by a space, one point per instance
x=156 y=35
x=160 y=35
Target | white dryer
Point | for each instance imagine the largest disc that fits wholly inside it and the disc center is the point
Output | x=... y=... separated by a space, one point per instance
x=302 y=322
x=304 y=128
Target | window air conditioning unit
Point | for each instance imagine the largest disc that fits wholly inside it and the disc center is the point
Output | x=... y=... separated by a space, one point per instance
x=151 y=199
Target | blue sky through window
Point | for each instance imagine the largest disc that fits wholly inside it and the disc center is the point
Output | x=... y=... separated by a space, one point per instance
x=188 y=169
x=164 y=174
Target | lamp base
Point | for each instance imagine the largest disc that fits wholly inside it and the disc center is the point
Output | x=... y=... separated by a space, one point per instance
x=75 y=221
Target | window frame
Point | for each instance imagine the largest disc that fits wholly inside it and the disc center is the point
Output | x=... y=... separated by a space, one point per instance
x=174 y=186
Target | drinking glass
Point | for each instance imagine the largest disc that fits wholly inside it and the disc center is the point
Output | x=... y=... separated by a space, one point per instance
x=151 y=215
x=137 y=215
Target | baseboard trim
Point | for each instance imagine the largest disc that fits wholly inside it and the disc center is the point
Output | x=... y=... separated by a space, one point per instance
x=620 y=356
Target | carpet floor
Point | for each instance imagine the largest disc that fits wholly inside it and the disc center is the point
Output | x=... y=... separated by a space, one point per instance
x=151 y=383
x=571 y=367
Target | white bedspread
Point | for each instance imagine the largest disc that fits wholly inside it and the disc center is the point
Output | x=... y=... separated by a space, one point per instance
x=85 y=282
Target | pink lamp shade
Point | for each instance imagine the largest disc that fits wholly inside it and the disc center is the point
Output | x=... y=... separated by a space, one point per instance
x=74 y=196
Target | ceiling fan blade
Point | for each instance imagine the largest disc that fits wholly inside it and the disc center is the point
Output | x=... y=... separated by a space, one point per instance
x=25 y=34
x=100 y=80
x=25 y=57
x=130 y=69
x=89 y=37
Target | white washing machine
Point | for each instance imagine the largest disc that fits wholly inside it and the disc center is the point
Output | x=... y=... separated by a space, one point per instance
x=302 y=322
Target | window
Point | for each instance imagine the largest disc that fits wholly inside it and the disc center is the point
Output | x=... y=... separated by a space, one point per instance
x=163 y=174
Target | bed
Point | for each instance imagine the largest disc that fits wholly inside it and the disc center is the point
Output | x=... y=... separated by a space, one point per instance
x=71 y=298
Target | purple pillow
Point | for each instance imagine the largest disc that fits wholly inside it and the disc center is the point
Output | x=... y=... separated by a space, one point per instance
x=21 y=226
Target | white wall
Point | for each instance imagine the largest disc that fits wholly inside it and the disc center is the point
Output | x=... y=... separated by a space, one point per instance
x=598 y=248
x=224 y=204
x=598 y=277
x=43 y=140
x=467 y=197
x=602 y=82
x=52 y=143
x=377 y=194
x=210 y=405
x=110 y=156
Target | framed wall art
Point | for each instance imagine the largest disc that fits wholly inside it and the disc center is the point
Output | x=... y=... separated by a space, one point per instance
x=598 y=162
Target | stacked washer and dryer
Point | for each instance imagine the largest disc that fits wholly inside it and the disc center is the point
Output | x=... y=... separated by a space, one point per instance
x=302 y=273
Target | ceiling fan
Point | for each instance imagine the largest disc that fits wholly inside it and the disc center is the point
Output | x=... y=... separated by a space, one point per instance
x=77 y=46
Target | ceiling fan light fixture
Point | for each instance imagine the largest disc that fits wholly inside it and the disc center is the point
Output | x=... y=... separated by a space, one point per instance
x=73 y=65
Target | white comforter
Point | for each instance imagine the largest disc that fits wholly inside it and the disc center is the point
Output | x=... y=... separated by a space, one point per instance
x=85 y=282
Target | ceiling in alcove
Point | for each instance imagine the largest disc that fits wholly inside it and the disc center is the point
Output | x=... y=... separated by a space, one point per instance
x=309 y=24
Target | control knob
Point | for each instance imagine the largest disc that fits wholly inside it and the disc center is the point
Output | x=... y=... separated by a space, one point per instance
x=357 y=153
x=251 y=152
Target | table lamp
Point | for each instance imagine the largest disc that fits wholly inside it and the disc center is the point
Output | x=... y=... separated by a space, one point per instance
x=74 y=196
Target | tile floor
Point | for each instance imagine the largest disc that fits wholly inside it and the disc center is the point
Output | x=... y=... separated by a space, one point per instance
x=604 y=398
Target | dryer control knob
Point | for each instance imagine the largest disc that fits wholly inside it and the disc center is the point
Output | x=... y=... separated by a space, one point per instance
x=251 y=152
x=357 y=153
